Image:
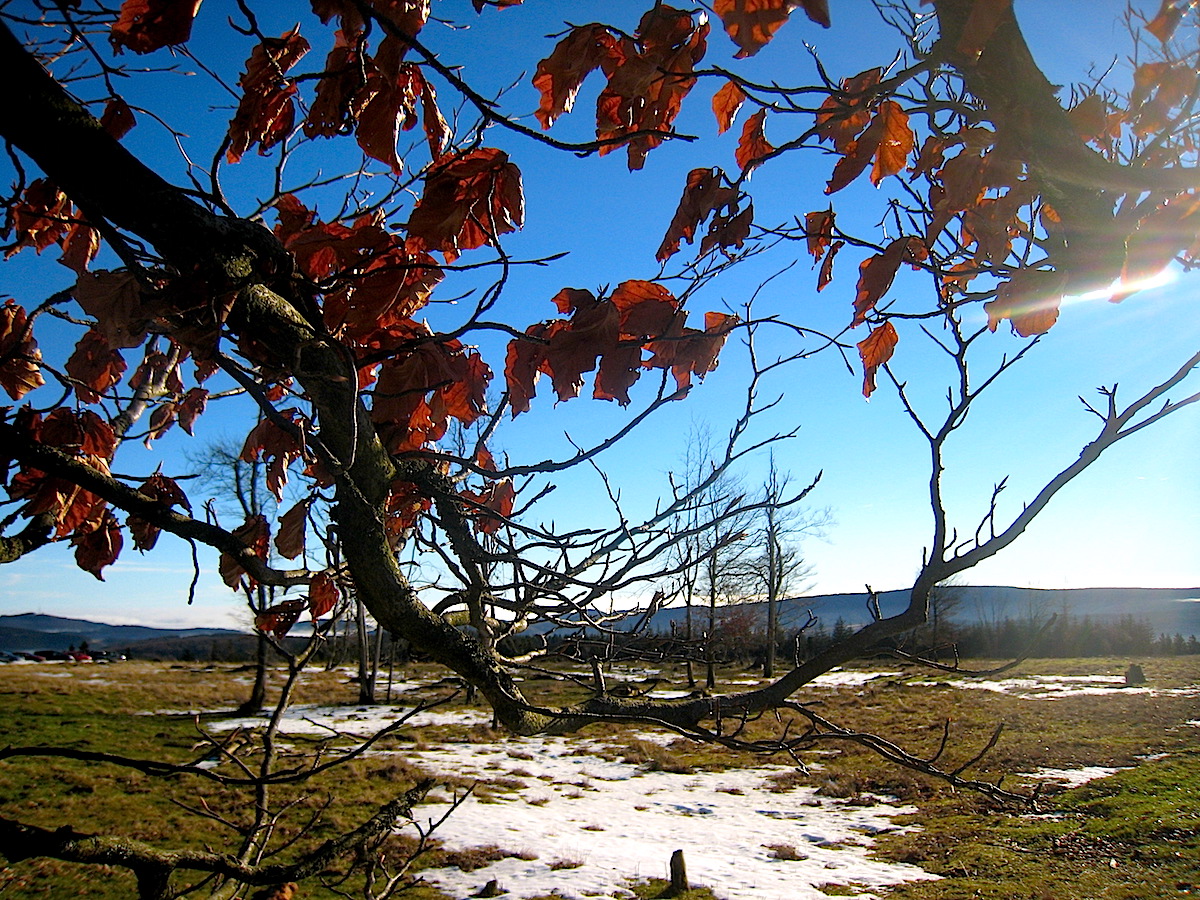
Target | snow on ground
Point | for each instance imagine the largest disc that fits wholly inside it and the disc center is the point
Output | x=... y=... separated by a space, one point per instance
x=588 y=825
x=613 y=821
x=842 y=678
x=1054 y=687
x=1074 y=777
x=358 y=721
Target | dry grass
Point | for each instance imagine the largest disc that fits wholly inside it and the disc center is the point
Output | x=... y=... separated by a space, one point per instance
x=104 y=708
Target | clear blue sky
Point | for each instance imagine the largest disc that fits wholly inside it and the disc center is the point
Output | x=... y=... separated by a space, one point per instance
x=1132 y=520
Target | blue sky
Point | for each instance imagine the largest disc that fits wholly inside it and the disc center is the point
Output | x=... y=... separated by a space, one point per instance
x=1131 y=520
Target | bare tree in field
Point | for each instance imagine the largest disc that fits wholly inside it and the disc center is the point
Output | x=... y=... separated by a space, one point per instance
x=336 y=269
x=779 y=569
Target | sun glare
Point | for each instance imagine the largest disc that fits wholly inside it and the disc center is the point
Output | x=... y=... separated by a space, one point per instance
x=1120 y=289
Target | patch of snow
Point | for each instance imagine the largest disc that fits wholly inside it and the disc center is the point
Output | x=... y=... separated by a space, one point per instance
x=618 y=822
x=1074 y=777
x=840 y=678
x=360 y=721
x=1055 y=687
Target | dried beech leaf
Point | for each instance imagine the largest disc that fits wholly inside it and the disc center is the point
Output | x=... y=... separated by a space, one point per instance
x=289 y=538
x=703 y=194
x=752 y=23
x=560 y=75
x=19 y=353
x=896 y=141
x=267 y=109
x=323 y=595
x=876 y=273
x=94 y=366
x=875 y=350
x=117 y=119
x=278 y=620
x=725 y=104
x=99 y=546
x=753 y=145
x=982 y=21
x=255 y=534
x=1030 y=301
x=148 y=25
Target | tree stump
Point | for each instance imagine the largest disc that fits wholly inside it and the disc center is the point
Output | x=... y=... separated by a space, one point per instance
x=679 y=879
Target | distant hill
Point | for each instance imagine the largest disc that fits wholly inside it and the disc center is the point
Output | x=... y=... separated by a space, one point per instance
x=33 y=631
x=1168 y=610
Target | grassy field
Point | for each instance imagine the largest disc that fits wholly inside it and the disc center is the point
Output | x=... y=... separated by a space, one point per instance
x=1135 y=834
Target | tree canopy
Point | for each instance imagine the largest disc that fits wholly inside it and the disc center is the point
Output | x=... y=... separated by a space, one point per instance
x=333 y=266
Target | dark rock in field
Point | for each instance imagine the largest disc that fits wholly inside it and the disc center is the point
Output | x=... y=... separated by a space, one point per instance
x=1134 y=675
x=491 y=889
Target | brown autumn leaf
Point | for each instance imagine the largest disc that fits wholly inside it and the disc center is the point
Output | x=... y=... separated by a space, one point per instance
x=114 y=300
x=393 y=89
x=818 y=229
x=753 y=145
x=255 y=534
x=576 y=346
x=826 y=274
x=560 y=75
x=876 y=273
x=498 y=4
x=470 y=198
x=875 y=350
x=267 y=109
x=94 y=367
x=1170 y=14
x=404 y=504
x=148 y=25
x=167 y=493
x=646 y=87
x=982 y=21
x=191 y=407
x=289 y=538
x=78 y=435
x=687 y=352
x=382 y=289
x=704 y=193
x=342 y=91
x=19 y=353
x=1160 y=236
x=896 y=142
x=725 y=104
x=752 y=23
x=729 y=230
x=437 y=131
x=859 y=155
x=465 y=398
x=162 y=420
x=846 y=113
x=323 y=595
x=497 y=499
x=1030 y=301
x=98 y=546
x=277 y=445
x=277 y=621
x=523 y=366
x=420 y=390
x=80 y=247
x=160 y=371
x=117 y=119
x=40 y=218
x=1090 y=117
